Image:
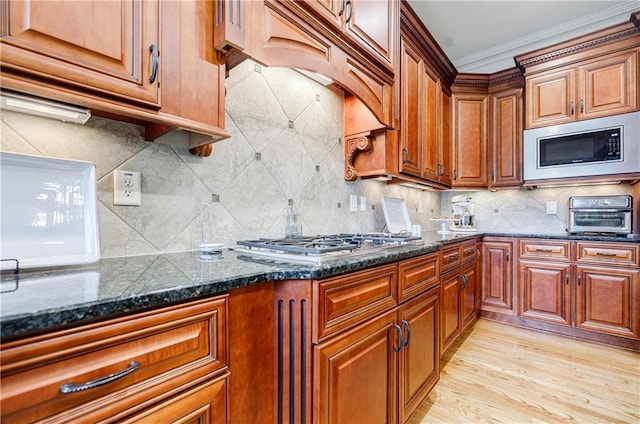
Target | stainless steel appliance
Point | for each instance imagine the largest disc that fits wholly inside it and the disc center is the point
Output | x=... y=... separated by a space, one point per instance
x=322 y=248
x=462 y=210
x=600 y=214
x=601 y=146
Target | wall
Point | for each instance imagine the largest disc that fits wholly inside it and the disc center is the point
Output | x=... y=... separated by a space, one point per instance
x=293 y=124
x=522 y=210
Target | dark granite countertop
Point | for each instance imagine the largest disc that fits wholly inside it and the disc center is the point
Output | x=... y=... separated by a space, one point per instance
x=46 y=299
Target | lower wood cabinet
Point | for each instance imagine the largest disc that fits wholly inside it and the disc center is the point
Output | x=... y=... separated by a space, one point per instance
x=584 y=289
x=459 y=291
x=145 y=367
x=496 y=294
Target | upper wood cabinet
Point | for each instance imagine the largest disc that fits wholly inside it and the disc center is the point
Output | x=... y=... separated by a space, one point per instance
x=592 y=89
x=106 y=48
x=148 y=62
x=412 y=109
x=505 y=144
x=470 y=138
x=367 y=24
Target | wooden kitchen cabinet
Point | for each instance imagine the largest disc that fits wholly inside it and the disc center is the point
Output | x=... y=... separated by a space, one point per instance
x=152 y=63
x=497 y=276
x=470 y=139
x=358 y=368
x=413 y=92
x=160 y=357
x=459 y=291
x=366 y=24
x=106 y=48
x=603 y=86
x=506 y=138
x=591 y=288
x=545 y=291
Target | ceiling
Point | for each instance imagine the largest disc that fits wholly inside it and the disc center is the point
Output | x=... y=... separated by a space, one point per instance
x=483 y=36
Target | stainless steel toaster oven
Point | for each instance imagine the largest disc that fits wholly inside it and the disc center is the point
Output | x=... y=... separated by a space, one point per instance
x=600 y=214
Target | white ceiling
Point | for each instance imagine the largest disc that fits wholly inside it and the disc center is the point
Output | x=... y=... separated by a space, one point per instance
x=484 y=36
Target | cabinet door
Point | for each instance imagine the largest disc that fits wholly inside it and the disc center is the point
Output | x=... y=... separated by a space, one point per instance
x=506 y=139
x=608 y=86
x=551 y=98
x=372 y=25
x=470 y=140
x=544 y=291
x=204 y=404
x=104 y=47
x=412 y=116
x=450 y=315
x=444 y=135
x=608 y=300
x=420 y=358
x=497 y=277
x=355 y=374
x=469 y=283
x=429 y=140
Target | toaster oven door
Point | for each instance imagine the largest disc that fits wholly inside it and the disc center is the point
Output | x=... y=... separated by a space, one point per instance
x=600 y=221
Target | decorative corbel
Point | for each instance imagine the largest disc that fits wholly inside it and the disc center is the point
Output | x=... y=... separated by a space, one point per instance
x=359 y=144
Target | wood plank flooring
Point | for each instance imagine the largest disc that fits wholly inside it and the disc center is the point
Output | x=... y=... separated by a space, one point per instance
x=497 y=373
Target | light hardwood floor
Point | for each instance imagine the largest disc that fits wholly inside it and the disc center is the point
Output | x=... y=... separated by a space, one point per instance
x=498 y=373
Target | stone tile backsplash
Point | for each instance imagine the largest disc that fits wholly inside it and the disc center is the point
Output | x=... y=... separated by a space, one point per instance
x=286 y=144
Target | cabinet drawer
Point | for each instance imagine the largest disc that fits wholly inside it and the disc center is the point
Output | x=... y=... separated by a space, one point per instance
x=621 y=254
x=451 y=257
x=535 y=249
x=417 y=275
x=342 y=302
x=174 y=348
x=469 y=251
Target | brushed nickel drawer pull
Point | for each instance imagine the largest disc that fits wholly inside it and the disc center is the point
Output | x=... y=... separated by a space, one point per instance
x=401 y=335
x=73 y=388
x=408 y=327
x=606 y=254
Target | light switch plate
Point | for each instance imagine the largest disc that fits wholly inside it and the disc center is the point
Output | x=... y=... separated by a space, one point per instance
x=363 y=203
x=552 y=208
x=353 y=200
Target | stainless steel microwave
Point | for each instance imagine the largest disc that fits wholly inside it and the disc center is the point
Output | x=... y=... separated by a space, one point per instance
x=601 y=146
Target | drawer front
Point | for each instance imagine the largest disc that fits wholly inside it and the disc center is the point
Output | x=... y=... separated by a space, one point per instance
x=537 y=249
x=163 y=349
x=620 y=254
x=417 y=275
x=342 y=302
x=451 y=257
x=469 y=252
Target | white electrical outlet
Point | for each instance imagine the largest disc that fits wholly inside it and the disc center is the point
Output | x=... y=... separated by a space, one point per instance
x=127 y=189
x=353 y=199
x=363 y=203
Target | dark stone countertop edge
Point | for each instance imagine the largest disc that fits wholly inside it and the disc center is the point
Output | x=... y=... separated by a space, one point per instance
x=22 y=325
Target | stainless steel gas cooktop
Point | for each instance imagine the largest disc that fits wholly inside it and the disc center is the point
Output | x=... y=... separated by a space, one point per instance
x=316 y=249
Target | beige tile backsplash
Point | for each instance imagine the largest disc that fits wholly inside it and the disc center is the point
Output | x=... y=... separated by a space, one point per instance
x=286 y=144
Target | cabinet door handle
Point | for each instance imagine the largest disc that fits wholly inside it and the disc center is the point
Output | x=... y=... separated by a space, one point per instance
x=455 y=174
x=581 y=105
x=572 y=108
x=350 y=12
x=507 y=256
x=341 y=8
x=73 y=388
x=578 y=279
x=478 y=254
x=606 y=254
x=567 y=278
x=154 y=62
x=405 y=155
x=408 y=327
x=400 y=335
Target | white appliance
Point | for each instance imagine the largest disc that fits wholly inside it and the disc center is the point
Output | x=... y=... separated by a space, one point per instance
x=462 y=210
